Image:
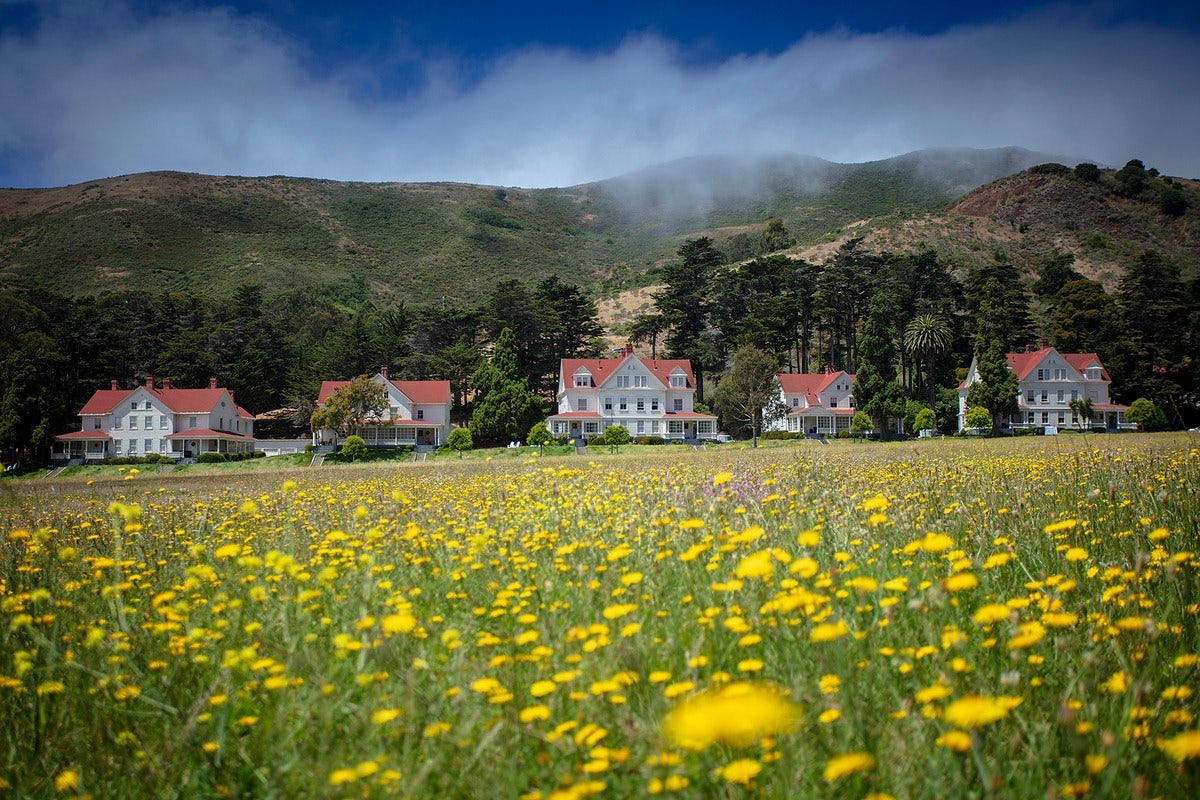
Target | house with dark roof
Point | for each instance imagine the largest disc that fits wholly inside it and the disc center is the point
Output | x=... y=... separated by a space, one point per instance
x=646 y=396
x=417 y=415
x=819 y=404
x=157 y=420
x=1047 y=384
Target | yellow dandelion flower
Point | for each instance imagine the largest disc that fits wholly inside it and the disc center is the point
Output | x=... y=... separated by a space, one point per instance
x=384 y=715
x=1076 y=554
x=829 y=715
x=992 y=612
x=755 y=565
x=533 y=713
x=398 y=623
x=876 y=503
x=742 y=771
x=973 y=711
x=1095 y=763
x=958 y=741
x=66 y=781
x=340 y=776
x=828 y=631
x=722 y=478
x=935 y=543
x=1061 y=525
x=960 y=581
x=847 y=764
x=737 y=713
x=1184 y=746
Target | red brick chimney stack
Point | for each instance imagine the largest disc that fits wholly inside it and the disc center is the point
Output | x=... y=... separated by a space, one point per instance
x=114 y=385
x=383 y=370
x=150 y=382
x=212 y=383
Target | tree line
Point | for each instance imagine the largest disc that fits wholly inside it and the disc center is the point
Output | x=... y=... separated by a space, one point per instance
x=273 y=351
x=908 y=325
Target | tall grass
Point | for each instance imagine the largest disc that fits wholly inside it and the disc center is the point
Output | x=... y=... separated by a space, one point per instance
x=979 y=619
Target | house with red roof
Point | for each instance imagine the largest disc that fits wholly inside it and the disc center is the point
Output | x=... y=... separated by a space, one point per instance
x=647 y=396
x=417 y=415
x=1048 y=381
x=819 y=405
x=157 y=420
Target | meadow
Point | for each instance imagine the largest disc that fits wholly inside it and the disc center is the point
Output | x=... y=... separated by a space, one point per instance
x=935 y=619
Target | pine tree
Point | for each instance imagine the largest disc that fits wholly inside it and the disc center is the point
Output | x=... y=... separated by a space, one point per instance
x=996 y=389
x=877 y=392
x=505 y=407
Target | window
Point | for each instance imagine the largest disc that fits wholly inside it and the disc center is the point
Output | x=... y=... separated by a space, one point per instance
x=678 y=381
x=622 y=381
x=654 y=426
x=147 y=405
x=1045 y=417
x=833 y=402
x=116 y=445
x=1060 y=374
x=133 y=405
x=148 y=422
x=641 y=381
x=1041 y=374
x=117 y=424
x=641 y=427
x=674 y=426
x=641 y=405
x=420 y=413
x=1030 y=397
x=132 y=422
x=679 y=404
x=1061 y=418
x=95 y=424
x=133 y=445
x=623 y=405
x=191 y=422
x=148 y=445
x=1045 y=396
x=591 y=427
x=1074 y=394
x=608 y=404
x=162 y=445
x=582 y=380
x=654 y=404
x=1061 y=397
x=795 y=402
x=581 y=404
x=162 y=423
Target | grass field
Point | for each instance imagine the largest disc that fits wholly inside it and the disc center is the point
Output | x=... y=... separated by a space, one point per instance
x=940 y=619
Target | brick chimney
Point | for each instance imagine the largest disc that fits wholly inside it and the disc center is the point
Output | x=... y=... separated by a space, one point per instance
x=212 y=383
x=1029 y=348
x=150 y=382
x=383 y=370
x=167 y=384
x=114 y=385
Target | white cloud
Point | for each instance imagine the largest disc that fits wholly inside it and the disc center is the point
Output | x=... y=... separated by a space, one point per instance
x=88 y=95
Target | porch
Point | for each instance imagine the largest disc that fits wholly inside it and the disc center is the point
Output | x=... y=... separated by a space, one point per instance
x=198 y=441
x=81 y=446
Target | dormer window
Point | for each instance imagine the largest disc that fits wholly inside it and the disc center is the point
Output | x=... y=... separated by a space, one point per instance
x=678 y=381
x=583 y=381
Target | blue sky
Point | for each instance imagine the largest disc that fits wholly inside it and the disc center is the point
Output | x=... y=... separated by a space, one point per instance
x=558 y=93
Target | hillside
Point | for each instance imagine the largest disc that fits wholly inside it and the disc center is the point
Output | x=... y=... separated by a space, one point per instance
x=194 y=233
x=1040 y=211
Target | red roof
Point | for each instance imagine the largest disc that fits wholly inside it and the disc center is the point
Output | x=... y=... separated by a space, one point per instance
x=89 y=436
x=810 y=385
x=208 y=433
x=179 y=401
x=577 y=415
x=420 y=392
x=688 y=415
x=602 y=368
x=1024 y=363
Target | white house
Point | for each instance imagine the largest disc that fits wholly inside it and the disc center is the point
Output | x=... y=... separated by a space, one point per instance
x=1047 y=382
x=165 y=421
x=821 y=404
x=418 y=413
x=648 y=397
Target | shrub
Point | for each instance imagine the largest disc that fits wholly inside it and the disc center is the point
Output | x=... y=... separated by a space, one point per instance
x=649 y=440
x=1088 y=172
x=924 y=420
x=861 y=423
x=1146 y=415
x=460 y=439
x=978 y=417
x=616 y=435
x=538 y=435
x=354 y=448
x=210 y=458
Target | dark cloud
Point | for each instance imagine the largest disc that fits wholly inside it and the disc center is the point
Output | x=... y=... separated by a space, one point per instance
x=88 y=95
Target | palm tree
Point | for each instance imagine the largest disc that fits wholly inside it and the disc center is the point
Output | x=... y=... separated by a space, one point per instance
x=925 y=338
x=1083 y=409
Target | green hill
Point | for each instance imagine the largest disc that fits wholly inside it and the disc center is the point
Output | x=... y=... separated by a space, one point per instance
x=170 y=231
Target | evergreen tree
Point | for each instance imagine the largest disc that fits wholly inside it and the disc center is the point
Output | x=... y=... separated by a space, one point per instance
x=504 y=406
x=684 y=303
x=877 y=392
x=996 y=389
x=1085 y=320
x=1154 y=313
